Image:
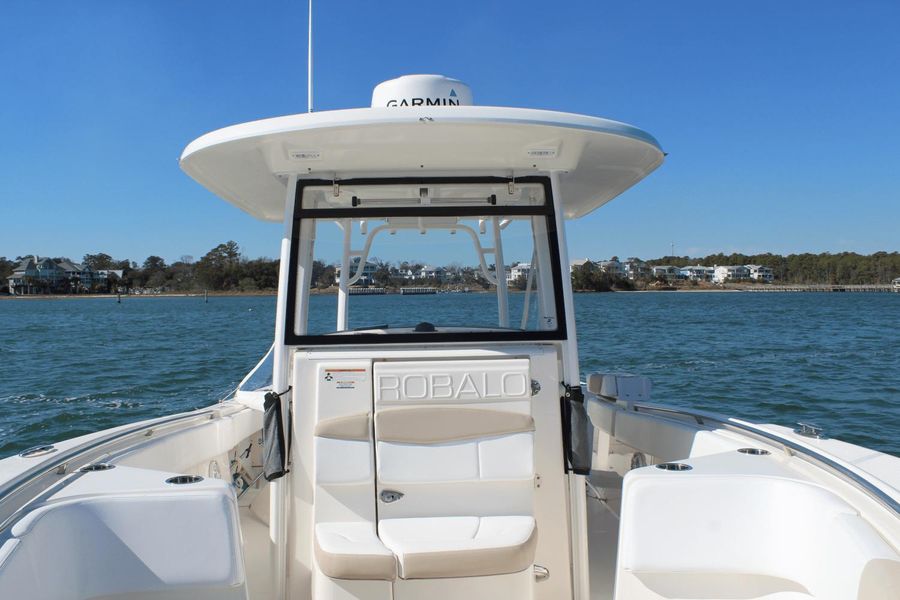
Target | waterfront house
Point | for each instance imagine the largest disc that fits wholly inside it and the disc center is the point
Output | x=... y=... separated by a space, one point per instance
x=636 y=269
x=80 y=276
x=110 y=280
x=721 y=274
x=104 y=274
x=435 y=274
x=761 y=273
x=518 y=270
x=895 y=284
x=667 y=272
x=696 y=273
x=612 y=267
x=43 y=275
x=22 y=278
x=578 y=263
x=366 y=278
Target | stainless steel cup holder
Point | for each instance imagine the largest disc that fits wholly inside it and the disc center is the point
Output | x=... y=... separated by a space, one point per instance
x=184 y=479
x=97 y=467
x=674 y=466
x=754 y=451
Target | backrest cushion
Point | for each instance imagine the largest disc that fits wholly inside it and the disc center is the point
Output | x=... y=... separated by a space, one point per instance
x=455 y=438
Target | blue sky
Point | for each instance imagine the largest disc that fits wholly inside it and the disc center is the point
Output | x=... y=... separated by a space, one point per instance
x=781 y=119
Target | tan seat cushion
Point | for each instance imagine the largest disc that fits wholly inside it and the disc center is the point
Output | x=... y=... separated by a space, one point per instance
x=434 y=547
x=353 y=551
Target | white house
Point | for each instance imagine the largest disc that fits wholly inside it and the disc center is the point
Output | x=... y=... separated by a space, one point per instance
x=730 y=273
x=519 y=270
x=697 y=273
x=433 y=273
x=761 y=273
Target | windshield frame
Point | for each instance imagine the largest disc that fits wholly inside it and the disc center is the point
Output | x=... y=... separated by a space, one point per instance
x=300 y=214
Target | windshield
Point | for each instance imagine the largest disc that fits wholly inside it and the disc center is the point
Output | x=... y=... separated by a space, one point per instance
x=398 y=261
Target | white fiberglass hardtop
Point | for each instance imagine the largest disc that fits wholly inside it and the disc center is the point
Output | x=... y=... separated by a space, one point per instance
x=249 y=164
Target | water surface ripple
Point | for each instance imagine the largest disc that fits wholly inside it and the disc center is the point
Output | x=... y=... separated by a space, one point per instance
x=70 y=367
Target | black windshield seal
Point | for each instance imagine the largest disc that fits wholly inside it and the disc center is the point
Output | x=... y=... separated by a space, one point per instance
x=362 y=212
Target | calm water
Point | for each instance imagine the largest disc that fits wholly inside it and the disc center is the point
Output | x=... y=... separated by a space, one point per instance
x=69 y=367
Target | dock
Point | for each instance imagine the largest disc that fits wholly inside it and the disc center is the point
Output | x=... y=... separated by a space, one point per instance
x=367 y=291
x=417 y=291
x=819 y=287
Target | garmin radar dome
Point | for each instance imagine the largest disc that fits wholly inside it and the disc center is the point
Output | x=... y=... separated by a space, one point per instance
x=421 y=90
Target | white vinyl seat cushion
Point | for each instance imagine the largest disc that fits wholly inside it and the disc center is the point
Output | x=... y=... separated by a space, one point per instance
x=438 y=547
x=353 y=551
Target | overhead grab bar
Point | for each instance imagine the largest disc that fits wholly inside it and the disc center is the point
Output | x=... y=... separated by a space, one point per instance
x=363 y=254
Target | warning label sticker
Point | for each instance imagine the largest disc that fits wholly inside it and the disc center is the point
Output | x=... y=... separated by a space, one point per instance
x=346 y=379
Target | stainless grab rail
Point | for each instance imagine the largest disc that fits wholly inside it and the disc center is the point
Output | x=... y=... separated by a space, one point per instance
x=836 y=468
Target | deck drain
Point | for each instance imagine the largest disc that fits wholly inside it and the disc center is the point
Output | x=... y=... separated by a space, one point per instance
x=38 y=451
x=97 y=467
x=183 y=479
x=674 y=467
x=753 y=451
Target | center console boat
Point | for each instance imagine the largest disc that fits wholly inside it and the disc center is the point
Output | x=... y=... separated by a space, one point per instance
x=440 y=446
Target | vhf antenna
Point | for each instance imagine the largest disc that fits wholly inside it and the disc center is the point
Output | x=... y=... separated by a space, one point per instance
x=309 y=64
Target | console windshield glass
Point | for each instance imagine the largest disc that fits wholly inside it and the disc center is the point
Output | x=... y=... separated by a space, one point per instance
x=414 y=259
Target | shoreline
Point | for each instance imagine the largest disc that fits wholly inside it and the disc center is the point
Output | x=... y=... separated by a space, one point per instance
x=320 y=293
x=136 y=296
x=333 y=292
x=679 y=290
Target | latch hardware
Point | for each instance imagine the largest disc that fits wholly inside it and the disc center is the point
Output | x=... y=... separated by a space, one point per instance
x=389 y=496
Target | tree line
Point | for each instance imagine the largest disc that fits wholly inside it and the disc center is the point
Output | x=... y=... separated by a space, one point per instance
x=224 y=268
